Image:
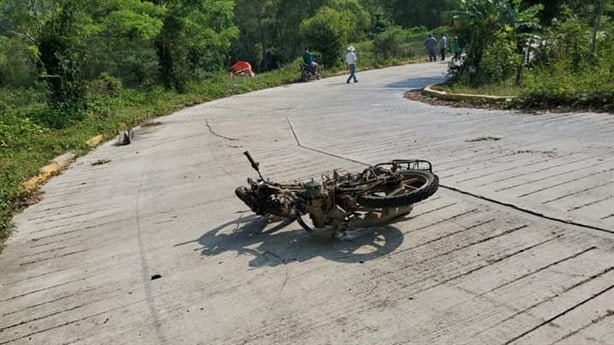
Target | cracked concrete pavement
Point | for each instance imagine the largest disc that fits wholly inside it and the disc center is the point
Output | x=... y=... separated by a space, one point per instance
x=152 y=247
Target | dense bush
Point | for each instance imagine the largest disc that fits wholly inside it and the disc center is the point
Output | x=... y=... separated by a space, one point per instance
x=327 y=32
x=499 y=62
x=105 y=85
x=390 y=43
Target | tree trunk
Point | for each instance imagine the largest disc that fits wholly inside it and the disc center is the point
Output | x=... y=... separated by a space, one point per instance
x=597 y=24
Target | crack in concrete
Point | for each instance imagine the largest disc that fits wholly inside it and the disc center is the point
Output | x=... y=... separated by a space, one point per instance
x=218 y=135
x=458 y=190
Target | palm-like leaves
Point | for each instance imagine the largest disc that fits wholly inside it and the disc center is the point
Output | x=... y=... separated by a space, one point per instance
x=485 y=19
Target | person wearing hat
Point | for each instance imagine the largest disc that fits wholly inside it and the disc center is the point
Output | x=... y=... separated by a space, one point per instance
x=350 y=61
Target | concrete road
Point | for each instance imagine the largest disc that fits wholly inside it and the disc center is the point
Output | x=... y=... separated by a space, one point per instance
x=152 y=247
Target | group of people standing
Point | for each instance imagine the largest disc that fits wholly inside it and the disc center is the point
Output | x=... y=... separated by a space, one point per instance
x=432 y=45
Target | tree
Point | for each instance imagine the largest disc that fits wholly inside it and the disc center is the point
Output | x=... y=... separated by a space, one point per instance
x=486 y=21
x=123 y=44
x=327 y=32
x=194 y=40
x=255 y=18
x=60 y=47
x=413 y=13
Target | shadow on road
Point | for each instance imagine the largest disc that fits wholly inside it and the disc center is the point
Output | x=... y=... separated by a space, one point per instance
x=414 y=83
x=284 y=242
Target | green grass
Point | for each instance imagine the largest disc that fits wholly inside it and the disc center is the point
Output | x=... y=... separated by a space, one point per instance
x=504 y=89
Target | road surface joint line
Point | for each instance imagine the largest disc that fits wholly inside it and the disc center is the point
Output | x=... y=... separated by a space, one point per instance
x=501 y=203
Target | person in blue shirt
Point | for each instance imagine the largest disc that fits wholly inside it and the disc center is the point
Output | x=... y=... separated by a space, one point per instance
x=431 y=46
x=308 y=60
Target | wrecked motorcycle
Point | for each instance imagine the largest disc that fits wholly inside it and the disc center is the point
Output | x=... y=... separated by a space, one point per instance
x=345 y=201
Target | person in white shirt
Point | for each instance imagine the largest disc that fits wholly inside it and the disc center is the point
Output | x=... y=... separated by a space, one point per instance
x=350 y=60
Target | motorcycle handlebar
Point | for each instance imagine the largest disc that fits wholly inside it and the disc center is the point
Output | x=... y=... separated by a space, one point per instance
x=251 y=160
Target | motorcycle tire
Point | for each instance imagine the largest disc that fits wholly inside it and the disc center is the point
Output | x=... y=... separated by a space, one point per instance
x=425 y=185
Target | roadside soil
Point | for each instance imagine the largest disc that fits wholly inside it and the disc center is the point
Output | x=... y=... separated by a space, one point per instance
x=417 y=95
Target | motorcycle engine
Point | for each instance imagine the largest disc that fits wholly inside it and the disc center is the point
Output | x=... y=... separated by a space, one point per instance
x=313 y=189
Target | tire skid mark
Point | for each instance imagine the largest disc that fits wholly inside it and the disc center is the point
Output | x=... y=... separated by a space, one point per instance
x=145 y=280
x=593 y=321
x=548 y=299
x=52 y=258
x=71 y=322
x=592 y=203
x=539 y=179
x=525 y=333
x=577 y=192
x=562 y=183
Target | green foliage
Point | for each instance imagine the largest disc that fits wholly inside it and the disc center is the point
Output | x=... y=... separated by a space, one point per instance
x=105 y=85
x=485 y=21
x=16 y=67
x=194 y=39
x=391 y=43
x=411 y=13
x=500 y=61
x=569 y=40
x=60 y=50
x=558 y=86
x=327 y=32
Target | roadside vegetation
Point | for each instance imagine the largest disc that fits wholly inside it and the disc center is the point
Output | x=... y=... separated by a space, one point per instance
x=549 y=54
x=73 y=69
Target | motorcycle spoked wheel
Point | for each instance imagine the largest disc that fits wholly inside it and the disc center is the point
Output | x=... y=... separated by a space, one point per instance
x=416 y=186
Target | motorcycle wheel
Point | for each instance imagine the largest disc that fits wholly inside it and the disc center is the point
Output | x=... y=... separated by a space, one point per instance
x=416 y=185
x=304 y=76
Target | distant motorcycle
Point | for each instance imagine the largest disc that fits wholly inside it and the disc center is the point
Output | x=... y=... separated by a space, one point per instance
x=310 y=72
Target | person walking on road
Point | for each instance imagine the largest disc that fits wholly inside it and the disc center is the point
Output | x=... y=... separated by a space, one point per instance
x=443 y=46
x=431 y=46
x=350 y=61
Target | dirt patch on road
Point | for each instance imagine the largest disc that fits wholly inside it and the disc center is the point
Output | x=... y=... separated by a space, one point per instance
x=417 y=95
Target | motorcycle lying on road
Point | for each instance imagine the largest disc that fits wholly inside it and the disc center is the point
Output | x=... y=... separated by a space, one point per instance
x=345 y=201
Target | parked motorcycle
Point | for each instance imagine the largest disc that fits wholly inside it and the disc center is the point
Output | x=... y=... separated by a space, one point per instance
x=310 y=72
x=345 y=201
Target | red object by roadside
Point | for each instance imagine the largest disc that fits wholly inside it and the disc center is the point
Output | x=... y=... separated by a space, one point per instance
x=242 y=68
